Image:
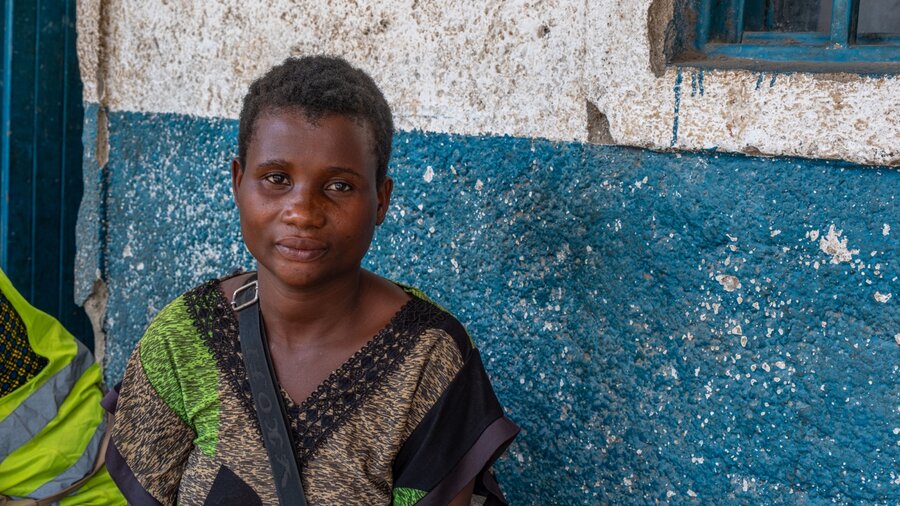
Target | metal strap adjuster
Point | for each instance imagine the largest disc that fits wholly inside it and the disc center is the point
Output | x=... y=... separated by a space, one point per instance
x=234 y=298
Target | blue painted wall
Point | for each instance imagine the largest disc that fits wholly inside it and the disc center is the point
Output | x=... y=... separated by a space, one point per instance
x=596 y=282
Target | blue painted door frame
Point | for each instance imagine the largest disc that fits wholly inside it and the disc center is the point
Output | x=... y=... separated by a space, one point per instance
x=40 y=157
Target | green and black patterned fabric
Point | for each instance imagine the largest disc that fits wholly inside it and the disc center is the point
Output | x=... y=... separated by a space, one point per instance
x=18 y=361
x=411 y=418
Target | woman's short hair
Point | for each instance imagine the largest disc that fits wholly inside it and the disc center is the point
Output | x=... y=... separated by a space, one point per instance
x=319 y=86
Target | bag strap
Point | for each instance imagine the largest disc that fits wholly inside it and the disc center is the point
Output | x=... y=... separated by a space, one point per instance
x=99 y=460
x=269 y=403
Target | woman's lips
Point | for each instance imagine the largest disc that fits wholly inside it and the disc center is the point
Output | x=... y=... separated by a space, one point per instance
x=301 y=249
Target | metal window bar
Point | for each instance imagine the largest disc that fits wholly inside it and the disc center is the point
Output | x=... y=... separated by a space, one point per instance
x=723 y=21
x=844 y=17
x=720 y=20
x=838 y=48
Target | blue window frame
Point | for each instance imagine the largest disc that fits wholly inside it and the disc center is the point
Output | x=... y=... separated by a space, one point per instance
x=823 y=35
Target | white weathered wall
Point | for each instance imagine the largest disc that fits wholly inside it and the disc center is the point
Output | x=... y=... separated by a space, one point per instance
x=518 y=68
x=842 y=116
x=469 y=68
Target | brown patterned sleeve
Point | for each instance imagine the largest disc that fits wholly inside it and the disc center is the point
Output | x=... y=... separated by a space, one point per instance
x=150 y=443
x=458 y=439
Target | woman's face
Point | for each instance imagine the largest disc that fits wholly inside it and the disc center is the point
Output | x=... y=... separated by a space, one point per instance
x=308 y=199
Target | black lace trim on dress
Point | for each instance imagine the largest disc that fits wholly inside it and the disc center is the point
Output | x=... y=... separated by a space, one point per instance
x=336 y=399
x=217 y=325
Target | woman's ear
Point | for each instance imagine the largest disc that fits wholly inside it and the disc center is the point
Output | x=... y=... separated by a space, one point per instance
x=237 y=173
x=384 y=199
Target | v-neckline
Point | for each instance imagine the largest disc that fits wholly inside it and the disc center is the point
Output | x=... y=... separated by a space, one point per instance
x=369 y=345
x=342 y=391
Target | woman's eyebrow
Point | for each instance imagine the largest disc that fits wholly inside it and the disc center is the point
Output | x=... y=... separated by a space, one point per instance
x=280 y=163
x=274 y=163
x=333 y=170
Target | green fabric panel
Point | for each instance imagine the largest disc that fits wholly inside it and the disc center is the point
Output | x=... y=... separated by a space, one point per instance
x=415 y=292
x=183 y=372
x=407 y=496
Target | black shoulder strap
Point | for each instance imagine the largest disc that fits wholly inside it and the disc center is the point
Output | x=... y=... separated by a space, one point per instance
x=269 y=404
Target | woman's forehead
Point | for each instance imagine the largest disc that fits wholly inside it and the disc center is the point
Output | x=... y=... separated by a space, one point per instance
x=287 y=134
x=310 y=117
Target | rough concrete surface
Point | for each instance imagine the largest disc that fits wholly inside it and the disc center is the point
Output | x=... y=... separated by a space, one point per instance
x=91 y=232
x=845 y=116
x=502 y=67
x=88 y=39
x=517 y=68
x=666 y=328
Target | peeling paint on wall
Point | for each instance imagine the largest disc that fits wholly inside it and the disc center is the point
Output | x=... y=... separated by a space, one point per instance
x=659 y=33
x=836 y=246
x=597 y=125
x=95 y=307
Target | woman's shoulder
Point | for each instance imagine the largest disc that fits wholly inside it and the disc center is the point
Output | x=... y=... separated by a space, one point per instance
x=178 y=319
x=178 y=339
x=439 y=318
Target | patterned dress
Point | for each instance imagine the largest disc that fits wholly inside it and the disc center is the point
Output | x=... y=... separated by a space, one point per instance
x=408 y=419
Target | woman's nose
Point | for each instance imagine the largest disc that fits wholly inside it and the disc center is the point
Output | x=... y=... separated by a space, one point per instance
x=304 y=208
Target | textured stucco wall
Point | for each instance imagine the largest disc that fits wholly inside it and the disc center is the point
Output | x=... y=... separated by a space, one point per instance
x=675 y=328
x=473 y=67
x=840 y=116
x=521 y=68
x=666 y=327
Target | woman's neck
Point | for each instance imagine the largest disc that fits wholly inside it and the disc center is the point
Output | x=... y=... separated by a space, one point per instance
x=297 y=317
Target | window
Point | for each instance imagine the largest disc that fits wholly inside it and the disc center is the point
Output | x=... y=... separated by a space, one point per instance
x=817 y=35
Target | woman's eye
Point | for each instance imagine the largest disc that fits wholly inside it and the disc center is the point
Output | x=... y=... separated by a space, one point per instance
x=277 y=179
x=339 y=186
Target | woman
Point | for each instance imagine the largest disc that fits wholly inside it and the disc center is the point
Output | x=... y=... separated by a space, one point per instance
x=385 y=394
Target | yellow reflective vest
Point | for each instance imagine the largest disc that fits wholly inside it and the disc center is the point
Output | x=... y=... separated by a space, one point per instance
x=51 y=424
